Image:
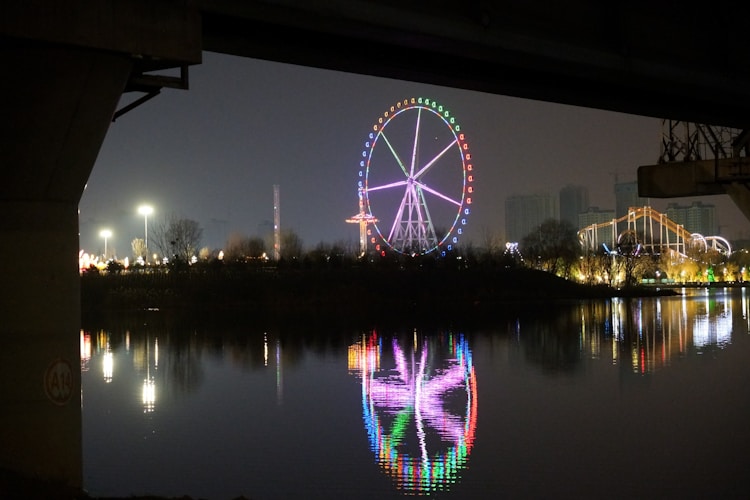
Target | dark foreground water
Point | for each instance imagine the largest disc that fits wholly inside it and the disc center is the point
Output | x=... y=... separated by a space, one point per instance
x=630 y=398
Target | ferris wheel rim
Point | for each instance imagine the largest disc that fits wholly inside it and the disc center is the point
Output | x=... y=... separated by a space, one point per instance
x=416 y=192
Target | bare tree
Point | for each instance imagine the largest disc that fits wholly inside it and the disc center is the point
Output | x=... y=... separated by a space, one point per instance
x=177 y=238
x=240 y=247
x=493 y=241
x=291 y=245
x=139 y=248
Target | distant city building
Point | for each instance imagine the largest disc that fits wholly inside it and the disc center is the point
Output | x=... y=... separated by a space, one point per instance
x=626 y=196
x=525 y=213
x=573 y=201
x=594 y=215
x=696 y=218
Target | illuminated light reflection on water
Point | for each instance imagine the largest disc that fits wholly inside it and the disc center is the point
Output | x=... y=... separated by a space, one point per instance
x=420 y=413
x=564 y=401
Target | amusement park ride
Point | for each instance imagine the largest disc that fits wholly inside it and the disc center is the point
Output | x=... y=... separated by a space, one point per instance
x=424 y=218
x=416 y=173
x=363 y=219
x=656 y=233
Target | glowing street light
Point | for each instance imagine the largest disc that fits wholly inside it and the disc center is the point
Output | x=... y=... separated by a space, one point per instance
x=145 y=211
x=106 y=234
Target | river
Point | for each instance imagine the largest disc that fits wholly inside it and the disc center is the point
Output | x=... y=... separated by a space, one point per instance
x=586 y=399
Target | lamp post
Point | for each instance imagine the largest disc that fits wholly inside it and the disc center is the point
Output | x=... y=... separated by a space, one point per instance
x=105 y=233
x=145 y=211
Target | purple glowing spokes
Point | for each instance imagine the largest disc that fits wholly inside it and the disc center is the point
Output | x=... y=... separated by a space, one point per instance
x=414 y=390
x=413 y=227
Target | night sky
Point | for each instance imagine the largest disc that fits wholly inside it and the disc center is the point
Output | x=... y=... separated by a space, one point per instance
x=214 y=152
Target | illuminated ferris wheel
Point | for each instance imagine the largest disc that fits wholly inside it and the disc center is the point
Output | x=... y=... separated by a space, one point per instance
x=416 y=179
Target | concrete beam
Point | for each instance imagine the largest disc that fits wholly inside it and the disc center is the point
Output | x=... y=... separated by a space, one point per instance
x=698 y=178
x=644 y=58
x=678 y=179
x=161 y=33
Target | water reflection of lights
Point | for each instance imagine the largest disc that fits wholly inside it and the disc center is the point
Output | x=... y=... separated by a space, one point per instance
x=279 y=381
x=649 y=333
x=108 y=365
x=149 y=384
x=149 y=395
x=713 y=322
x=85 y=350
x=420 y=416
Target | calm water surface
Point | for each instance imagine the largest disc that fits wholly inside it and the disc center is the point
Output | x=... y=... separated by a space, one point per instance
x=622 y=398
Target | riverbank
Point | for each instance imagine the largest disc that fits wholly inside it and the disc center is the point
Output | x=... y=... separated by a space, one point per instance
x=357 y=294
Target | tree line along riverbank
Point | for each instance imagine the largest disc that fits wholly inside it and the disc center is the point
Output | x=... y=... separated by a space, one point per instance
x=363 y=292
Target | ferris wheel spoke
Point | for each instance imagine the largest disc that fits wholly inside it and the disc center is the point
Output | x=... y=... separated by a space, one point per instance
x=432 y=162
x=387 y=186
x=395 y=155
x=438 y=194
x=416 y=143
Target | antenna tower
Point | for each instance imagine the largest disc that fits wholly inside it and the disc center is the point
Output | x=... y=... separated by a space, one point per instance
x=276 y=223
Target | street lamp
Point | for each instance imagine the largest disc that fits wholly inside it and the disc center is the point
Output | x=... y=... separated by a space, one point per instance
x=105 y=233
x=145 y=211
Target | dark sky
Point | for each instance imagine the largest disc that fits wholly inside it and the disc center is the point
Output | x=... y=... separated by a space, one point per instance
x=213 y=153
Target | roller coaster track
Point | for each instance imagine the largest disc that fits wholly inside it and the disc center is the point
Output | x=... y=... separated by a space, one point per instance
x=640 y=225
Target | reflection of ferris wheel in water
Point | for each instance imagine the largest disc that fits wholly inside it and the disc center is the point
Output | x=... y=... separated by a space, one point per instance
x=419 y=405
x=416 y=178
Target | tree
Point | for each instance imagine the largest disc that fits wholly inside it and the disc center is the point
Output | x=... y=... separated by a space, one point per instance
x=291 y=245
x=741 y=258
x=594 y=268
x=240 y=247
x=139 y=248
x=492 y=241
x=553 y=247
x=204 y=253
x=177 y=238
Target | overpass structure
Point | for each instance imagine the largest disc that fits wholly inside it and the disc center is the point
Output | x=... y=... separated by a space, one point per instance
x=70 y=68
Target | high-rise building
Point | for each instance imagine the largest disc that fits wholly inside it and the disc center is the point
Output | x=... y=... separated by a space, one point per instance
x=696 y=218
x=573 y=201
x=525 y=213
x=626 y=196
x=594 y=215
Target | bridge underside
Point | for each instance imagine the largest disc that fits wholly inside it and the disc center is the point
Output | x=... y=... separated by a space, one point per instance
x=67 y=64
x=642 y=58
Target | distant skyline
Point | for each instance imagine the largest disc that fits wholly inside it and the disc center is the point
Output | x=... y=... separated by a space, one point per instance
x=213 y=153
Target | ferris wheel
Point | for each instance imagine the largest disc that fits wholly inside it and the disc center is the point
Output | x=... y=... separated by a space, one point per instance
x=416 y=179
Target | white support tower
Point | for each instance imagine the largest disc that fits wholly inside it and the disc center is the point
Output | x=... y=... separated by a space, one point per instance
x=363 y=219
x=276 y=224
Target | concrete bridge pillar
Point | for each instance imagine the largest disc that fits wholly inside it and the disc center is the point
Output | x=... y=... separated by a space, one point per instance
x=57 y=104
